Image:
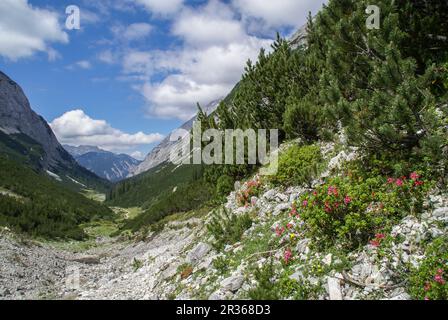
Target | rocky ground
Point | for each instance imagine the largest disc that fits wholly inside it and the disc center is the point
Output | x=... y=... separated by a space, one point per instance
x=180 y=263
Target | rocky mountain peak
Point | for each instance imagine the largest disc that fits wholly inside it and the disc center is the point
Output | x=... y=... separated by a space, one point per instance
x=17 y=117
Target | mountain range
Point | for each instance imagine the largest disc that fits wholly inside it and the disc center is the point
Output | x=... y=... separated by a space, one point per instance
x=108 y=165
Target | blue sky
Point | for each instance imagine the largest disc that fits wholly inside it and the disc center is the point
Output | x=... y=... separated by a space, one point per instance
x=136 y=68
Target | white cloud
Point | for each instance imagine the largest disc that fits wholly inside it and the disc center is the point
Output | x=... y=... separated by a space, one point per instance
x=84 y=64
x=161 y=7
x=89 y=17
x=25 y=30
x=77 y=128
x=279 y=12
x=135 y=31
x=211 y=61
x=214 y=24
x=138 y=62
x=218 y=37
x=105 y=7
x=107 y=56
x=177 y=95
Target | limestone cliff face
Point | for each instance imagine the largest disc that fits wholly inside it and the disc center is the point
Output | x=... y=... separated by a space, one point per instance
x=17 y=117
x=299 y=38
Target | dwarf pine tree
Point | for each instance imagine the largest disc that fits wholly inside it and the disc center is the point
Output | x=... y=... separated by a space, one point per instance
x=366 y=80
x=261 y=99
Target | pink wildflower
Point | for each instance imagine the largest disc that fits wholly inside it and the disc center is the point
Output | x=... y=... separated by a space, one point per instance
x=347 y=200
x=439 y=279
x=287 y=256
x=418 y=183
x=279 y=231
x=380 y=236
x=305 y=203
x=399 y=182
x=293 y=211
x=414 y=176
x=332 y=191
x=375 y=243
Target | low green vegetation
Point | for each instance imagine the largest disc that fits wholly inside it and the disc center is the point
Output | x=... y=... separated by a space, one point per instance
x=354 y=209
x=227 y=228
x=272 y=286
x=429 y=280
x=266 y=286
x=224 y=186
x=137 y=264
x=298 y=165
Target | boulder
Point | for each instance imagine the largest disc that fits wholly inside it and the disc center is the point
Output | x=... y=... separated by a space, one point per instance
x=334 y=289
x=170 y=272
x=232 y=283
x=401 y=296
x=440 y=213
x=280 y=197
x=328 y=259
x=199 y=252
x=280 y=208
x=217 y=296
x=269 y=195
x=297 y=276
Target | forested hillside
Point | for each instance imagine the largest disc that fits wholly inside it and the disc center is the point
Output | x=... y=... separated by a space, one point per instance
x=34 y=203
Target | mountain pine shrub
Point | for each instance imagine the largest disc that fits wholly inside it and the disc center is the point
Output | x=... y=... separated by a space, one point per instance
x=298 y=165
x=224 y=186
x=266 y=288
x=227 y=228
x=370 y=81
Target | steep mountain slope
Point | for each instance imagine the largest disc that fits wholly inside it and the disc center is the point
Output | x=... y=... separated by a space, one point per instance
x=107 y=165
x=38 y=204
x=161 y=153
x=145 y=188
x=26 y=137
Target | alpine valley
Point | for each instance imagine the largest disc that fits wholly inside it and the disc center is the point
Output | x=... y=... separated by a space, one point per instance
x=357 y=210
